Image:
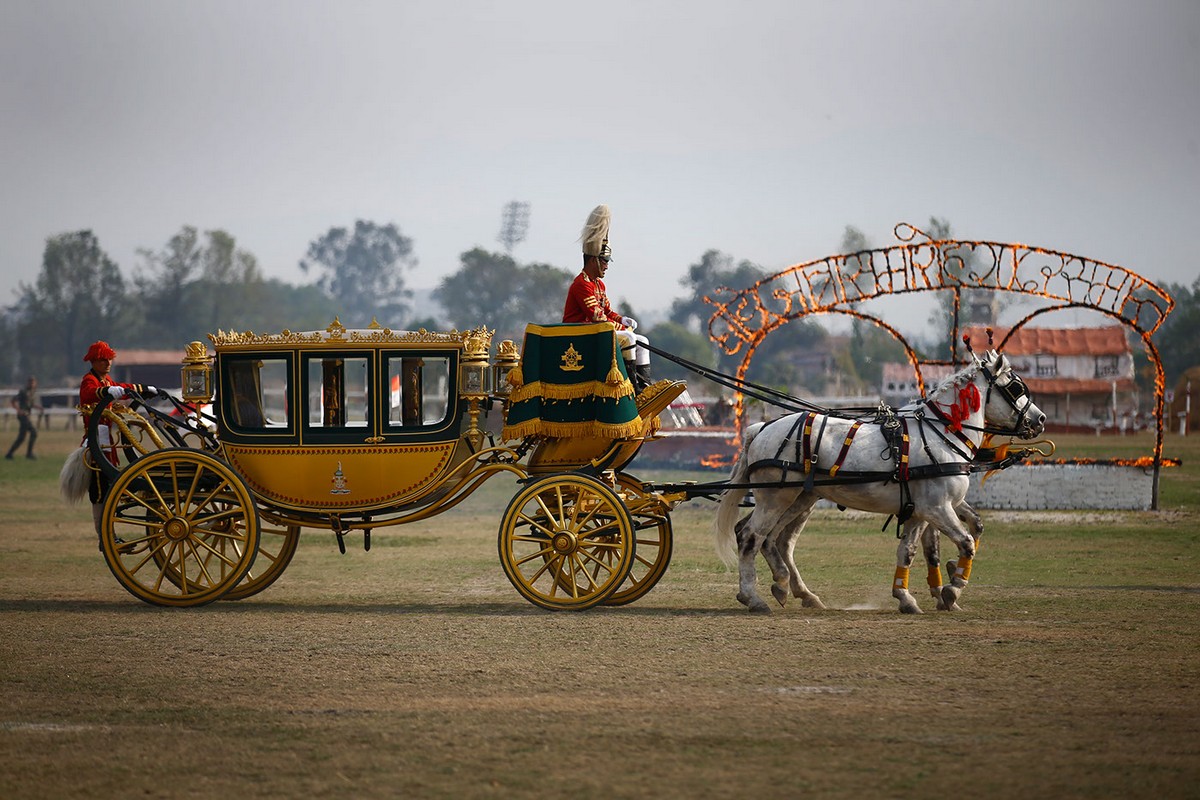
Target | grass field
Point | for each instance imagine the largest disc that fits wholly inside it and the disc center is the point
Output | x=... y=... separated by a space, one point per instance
x=416 y=670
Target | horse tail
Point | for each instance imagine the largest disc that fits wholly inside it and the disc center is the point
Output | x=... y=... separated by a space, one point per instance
x=724 y=536
x=75 y=476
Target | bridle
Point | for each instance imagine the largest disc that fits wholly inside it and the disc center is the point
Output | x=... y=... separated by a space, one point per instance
x=1012 y=390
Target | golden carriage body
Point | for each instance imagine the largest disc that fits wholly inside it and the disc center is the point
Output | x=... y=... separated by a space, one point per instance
x=350 y=431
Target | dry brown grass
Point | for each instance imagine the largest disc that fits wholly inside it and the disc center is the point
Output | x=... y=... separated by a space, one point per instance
x=416 y=670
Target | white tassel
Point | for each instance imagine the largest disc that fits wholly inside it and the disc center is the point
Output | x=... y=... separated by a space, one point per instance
x=75 y=476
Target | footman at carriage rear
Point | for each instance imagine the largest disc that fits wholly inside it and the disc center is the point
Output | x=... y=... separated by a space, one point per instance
x=97 y=384
x=587 y=299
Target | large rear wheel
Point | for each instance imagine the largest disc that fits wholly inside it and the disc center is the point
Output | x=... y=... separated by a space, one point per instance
x=566 y=542
x=179 y=528
x=276 y=546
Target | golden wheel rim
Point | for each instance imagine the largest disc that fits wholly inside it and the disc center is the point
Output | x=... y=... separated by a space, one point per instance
x=652 y=556
x=179 y=528
x=566 y=542
x=276 y=546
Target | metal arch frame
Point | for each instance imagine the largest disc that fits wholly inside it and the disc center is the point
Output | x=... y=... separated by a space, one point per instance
x=835 y=284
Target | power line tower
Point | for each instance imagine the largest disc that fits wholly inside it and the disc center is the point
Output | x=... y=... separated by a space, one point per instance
x=514 y=222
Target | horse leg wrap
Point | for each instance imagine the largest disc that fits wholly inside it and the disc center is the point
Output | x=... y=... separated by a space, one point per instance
x=962 y=570
x=901 y=579
x=934 y=577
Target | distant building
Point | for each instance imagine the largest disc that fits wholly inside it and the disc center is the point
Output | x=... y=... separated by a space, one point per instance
x=899 y=382
x=157 y=367
x=1080 y=377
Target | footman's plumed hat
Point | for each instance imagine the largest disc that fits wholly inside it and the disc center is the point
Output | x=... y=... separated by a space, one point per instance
x=100 y=351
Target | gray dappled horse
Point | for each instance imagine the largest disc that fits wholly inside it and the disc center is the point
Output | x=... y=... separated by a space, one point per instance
x=913 y=463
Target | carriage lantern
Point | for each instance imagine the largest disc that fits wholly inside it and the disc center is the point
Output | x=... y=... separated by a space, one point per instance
x=474 y=378
x=507 y=359
x=197 y=374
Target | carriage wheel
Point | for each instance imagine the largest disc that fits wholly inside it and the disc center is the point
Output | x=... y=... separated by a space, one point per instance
x=276 y=546
x=566 y=542
x=654 y=541
x=179 y=528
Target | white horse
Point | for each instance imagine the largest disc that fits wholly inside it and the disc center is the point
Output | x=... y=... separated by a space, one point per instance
x=913 y=464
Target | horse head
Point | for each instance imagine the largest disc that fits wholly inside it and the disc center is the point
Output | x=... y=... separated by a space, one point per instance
x=1008 y=409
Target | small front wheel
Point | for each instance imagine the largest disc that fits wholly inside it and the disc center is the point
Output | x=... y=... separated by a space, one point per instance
x=566 y=542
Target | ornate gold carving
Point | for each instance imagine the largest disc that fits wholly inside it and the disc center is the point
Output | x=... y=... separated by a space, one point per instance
x=196 y=353
x=507 y=351
x=572 y=361
x=336 y=333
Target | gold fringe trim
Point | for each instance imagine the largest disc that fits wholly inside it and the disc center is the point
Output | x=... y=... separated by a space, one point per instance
x=563 y=430
x=572 y=391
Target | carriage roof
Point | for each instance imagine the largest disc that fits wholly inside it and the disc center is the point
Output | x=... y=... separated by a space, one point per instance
x=337 y=336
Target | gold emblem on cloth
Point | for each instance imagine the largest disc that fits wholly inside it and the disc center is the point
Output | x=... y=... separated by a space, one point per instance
x=571 y=360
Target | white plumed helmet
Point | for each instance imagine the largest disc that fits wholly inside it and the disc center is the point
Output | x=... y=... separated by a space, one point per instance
x=595 y=233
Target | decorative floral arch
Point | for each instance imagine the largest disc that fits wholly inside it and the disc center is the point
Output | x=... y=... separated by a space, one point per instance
x=743 y=318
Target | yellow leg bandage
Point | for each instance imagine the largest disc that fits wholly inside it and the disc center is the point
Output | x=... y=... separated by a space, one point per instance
x=963 y=569
x=901 y=579
x=934 y=577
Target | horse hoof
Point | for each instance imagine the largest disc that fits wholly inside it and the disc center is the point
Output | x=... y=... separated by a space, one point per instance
x=759 y=607
x=812 y=601
x=908 y=604
x=743 y=599
x=950 y=597
x=780 y=595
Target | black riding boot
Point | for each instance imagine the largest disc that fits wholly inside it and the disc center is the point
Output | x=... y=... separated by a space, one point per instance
x=643 y=377
x=631 y=371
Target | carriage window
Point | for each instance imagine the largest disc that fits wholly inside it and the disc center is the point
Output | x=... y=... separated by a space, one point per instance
x=257 y=389
x=418 y=390
x=337 y=392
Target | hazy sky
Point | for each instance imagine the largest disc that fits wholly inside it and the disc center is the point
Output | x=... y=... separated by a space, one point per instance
x=759 y=128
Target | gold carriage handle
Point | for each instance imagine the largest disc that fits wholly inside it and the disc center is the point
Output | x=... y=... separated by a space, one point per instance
x=373 y=439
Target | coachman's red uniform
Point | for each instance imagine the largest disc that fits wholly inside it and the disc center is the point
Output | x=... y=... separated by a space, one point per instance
x=587 y=301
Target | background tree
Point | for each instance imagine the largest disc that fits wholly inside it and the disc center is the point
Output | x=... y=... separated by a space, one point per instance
x=1176 y=339
x=161 y=285
x=714 y=270
x=678 y=340
x=976 y=306
x=361 y=271
x=78 y=297
x=870 y=347
x=230 y=288
x=494 y=290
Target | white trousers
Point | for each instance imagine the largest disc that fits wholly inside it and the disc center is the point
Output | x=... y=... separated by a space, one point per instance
x=633 y=347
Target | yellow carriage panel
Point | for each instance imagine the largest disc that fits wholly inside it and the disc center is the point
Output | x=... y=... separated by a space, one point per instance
x=343 y=479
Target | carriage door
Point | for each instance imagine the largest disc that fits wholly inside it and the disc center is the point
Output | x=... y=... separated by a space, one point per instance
x=418 y=402
x=338 y=399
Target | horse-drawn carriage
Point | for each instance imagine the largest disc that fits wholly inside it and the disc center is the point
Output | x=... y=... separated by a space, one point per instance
x=350 y=431
x=356 y=430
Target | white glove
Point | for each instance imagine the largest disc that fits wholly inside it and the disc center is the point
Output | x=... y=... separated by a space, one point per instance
x=152 y=392
x=115 y=392
x=629 y=322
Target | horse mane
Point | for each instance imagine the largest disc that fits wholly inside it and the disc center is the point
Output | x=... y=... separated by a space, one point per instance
x=967 y=373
